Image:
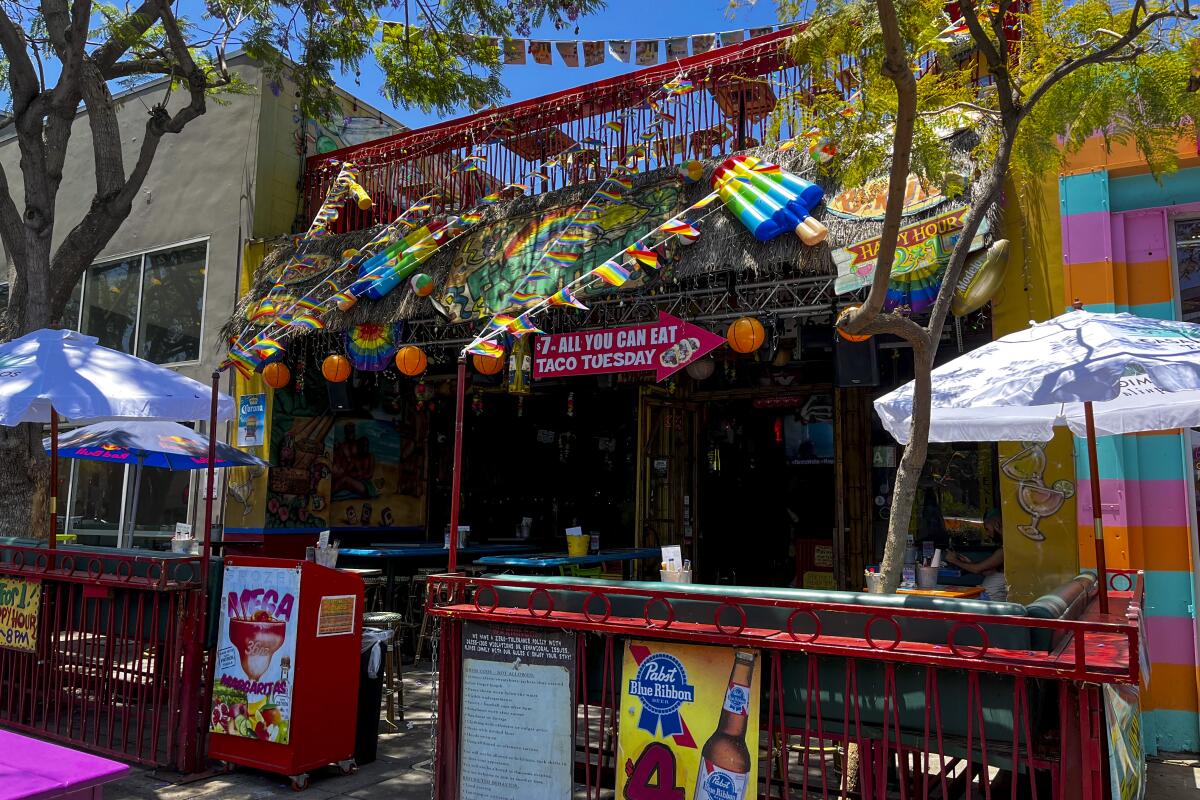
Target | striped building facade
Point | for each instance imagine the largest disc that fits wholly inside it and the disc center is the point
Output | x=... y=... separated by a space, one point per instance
x=1119 y=254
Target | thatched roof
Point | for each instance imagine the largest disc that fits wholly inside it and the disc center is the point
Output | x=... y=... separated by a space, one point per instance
x=724 y=245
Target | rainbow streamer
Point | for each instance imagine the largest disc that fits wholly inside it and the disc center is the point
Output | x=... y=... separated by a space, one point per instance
x=486 y=349
x=564 y=297
x=707 y=200
x=611 y=273
x=678 y=228
x=562 y=258
x=647 y=258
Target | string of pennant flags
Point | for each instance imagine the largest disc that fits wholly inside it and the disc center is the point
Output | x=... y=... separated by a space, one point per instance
x=593 y=52
x=401 y=240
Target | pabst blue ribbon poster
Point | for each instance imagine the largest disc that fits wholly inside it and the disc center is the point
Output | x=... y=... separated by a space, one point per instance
x=689 y=722
x=256 y=653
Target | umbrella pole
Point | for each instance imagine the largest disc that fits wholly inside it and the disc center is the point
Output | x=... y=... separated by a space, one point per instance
x=210 y=478
x=1097 y=519
x=53 y=478
x=137 y=491
x=456 y=481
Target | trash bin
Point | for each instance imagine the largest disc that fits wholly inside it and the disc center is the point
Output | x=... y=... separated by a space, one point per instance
x=370 y=693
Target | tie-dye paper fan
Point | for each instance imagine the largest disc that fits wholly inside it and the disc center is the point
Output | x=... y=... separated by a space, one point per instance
x=371 y=346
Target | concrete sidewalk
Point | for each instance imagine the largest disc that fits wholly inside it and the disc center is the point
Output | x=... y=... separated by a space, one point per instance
x=402 y=771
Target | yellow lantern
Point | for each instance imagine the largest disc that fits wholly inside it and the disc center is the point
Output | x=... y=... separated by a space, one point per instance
x=411 y=360
x=745 y=335
x=276 y=375
x=335 y=368
x=486 y=365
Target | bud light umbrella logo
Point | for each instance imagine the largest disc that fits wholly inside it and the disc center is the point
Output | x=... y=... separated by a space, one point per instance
x=720 y=786
x=662 y=688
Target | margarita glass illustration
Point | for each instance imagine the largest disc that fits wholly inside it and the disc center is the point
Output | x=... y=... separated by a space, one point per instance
x=256 y=639
x=1039 y=501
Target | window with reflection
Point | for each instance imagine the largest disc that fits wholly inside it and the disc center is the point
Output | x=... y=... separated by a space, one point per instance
x=1187 y=259
x=172 y=305
x=110 y=302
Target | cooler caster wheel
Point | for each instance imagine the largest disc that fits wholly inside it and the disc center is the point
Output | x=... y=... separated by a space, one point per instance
x=299 y=782
x=223 y=767
x=348 y=767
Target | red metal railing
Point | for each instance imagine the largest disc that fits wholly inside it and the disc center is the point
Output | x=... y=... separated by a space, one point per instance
x=877 y=714
x=745 y=94
x=117 y=656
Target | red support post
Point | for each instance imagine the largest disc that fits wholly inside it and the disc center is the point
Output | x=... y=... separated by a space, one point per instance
x=53 y=478
x=1097 y=520
x=456 y=480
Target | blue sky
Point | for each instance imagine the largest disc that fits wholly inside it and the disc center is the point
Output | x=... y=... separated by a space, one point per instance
x=623 y=19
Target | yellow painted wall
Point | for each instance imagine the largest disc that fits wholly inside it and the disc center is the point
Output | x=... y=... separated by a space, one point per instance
x=246 y=487
x=1038 y=557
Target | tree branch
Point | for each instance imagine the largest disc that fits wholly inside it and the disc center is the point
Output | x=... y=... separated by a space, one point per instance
x=22 y=78
x=141 y=21
x=11 y=230
x=997 y=63
x=895 y=67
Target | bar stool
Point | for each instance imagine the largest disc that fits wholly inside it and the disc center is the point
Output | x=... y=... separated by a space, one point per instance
x=393 y=672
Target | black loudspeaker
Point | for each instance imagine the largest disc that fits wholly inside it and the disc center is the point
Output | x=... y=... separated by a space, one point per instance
x=855 y=363
x=339 y=396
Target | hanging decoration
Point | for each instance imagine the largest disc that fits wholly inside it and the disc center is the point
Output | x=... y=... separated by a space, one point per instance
x=411 y=360
x=336 y=368
x=421 y=284
x=768 y=200
x=276 y=375
x=869 y=201
x=849 y=337
x=701 y=370
x=371 y=346
x=570 y=404
x=520 y=366
x=486 y=365
x=745 y=335
x=981 y=279
x=477 y=403
x=423 y=395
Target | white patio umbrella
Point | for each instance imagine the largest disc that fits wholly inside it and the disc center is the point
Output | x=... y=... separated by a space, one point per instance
x=1097 y=374
x=49 y=373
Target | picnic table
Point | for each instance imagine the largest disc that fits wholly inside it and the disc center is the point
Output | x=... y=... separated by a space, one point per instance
x=31 y=769
x=570 y=564
x=391 y=556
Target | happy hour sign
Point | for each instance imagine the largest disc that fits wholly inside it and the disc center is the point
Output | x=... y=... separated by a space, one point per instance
x=665 y=346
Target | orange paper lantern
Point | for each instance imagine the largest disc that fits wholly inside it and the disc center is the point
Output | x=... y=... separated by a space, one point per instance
x=746 y=335
x=486 y=365
x=276 y=375
x=411 y=360
x=336 y=369
x=849 y=337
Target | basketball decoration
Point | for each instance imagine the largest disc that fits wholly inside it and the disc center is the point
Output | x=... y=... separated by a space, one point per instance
x=276 y=375
x=849 y=337
x=411 y=360
x=486 y=365
x=745 y=335
x=422 y=284
x=335 y=368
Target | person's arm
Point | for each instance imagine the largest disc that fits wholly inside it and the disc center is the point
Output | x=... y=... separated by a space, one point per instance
x=994 y=561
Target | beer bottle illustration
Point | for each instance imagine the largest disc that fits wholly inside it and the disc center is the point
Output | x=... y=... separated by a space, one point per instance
x=725 y=760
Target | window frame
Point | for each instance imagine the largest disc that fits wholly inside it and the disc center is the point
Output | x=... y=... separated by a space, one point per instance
x=142 y=256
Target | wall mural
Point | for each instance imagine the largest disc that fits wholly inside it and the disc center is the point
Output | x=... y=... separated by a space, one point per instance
x=377 y=473
x=1037 y=499
x=495 y=258
x=315 y=138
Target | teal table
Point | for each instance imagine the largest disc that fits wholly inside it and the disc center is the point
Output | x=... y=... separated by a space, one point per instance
x=561 y=562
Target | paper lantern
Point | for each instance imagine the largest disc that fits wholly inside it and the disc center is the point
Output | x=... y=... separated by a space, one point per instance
x=486 y=365
x=745 y=335
x=276 y=375
x=422 y=284
x=701 y=370
x=411 y=360
x=335 y=368
x=849 y=337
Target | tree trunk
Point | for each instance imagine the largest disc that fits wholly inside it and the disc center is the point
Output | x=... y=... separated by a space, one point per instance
x=909 y=473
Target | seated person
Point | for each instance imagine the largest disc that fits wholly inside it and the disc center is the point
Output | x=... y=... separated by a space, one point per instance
x=991 y=567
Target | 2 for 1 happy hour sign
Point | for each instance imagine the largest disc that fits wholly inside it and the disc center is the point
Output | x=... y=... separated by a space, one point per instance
x=665 y=346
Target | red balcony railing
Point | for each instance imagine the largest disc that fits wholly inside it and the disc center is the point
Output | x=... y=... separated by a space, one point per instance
x=745 y=95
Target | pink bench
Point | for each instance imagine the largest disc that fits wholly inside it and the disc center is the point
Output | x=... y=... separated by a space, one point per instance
x=31 y=769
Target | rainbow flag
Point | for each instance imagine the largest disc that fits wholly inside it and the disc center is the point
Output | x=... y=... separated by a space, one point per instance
x=541 y=175
x=707 y=200
x=611 y=273
x=678 y=86
x=308 y=322
x=562 y=258
x=647 y=258
x=266 y=308
x=615 y=126
x=344 y=297
x=418 y=207
x=521 y=298
x=523 y=326
x=468 y=166
x=471 y=217
x=624 y=183
x=664 y=116
x=593 y=141
x=491 y=199
x=500 y=322
x=537 y=275
x=487 y=349
x=573 y=235
x=564 y=297
x=608 y=194
x=679 y=228
x=520 y=187
x=265 y=348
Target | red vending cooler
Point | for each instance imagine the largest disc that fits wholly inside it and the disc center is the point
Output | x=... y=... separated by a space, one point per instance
x=285 y=686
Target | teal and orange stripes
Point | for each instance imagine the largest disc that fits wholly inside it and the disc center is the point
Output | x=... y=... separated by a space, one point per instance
x=1117 y=242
